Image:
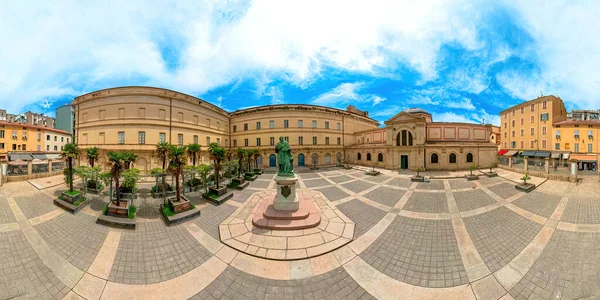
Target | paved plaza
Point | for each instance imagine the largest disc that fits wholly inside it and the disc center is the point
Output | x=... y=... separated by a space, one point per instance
x=444 y=239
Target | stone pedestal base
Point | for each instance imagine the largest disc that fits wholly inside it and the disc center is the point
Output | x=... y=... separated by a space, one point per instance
x=286 y=198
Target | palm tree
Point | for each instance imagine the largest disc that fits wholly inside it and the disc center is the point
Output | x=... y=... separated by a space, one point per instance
x=193 y=150
x=177 y=160
x=118 y=164
x=162 y=148
x=252 y=153
x=129 y=158
x=217 y=154
x=241 y=152
x=92 y=155
x=69 y=152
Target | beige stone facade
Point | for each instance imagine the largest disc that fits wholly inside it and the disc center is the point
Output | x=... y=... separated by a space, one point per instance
x=137 y=118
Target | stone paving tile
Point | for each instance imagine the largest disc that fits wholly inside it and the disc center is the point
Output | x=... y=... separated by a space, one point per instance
x=400 y=182
x=23 y=274
x=148 y=207
x=582 y=210
x=427 y=202
x=211 y=216
x=357 y=186
x=76 y=238
x=236 y=284
x=434 y=184
x=260 y=184
x=500 y=235
x=35 y=205
x=154 y=253
x=504 y=190
x=460 y=183
x=6 y=214
x=568 y=268
x=316 y=183
x=266 y=176
x=538 y=203
x=418 y=252
x=339 y=179
x=385 y=195
x=489 y=180
x=331 y=173
x=468 y=200
x=308 y=175
x=333 y=193
x=378 y=179
x=363 y=215
x=241 y=196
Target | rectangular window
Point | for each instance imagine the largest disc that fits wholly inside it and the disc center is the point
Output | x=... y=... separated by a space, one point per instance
x=100 y=138
x=532 y=119
x=513 y=133
x=257 y=141
x=505 y=134
x=532 y=107
x=219 y=125
x=208 y=123
x=326 y=125
x=142 y=112
x=2 y=146
x=576 y=147
x=522 y=144
x=544 y=117
x=271 y=124
x=84 y=118
x=55 y=147
x=544 y=144
x=62 y=138
x=141 y=137
x=180 y=116
x=314 y=123
x=326 y=140
x=557 y=146
x=339 y=126
x=299 y=123
x=286 y=124
x=314 y=140
x=567 y=146
x=234 y=143
x=161 y=114
x=505 y=125
x=162 y=137
x=286 y=138
x=590 y=148
x=195 y=119
x=180 y=139
x=257 y=125
x=300 y=140
x=234 y=128
x=102 y=114
x=121 y=113
x=55 y=138
x=522 y=132
x=531 y=144
x=590 y=134
x=121 y=136
x=522 y=121
x=207 y=140
x=1 y=133
x=543 y=129
x=245 y=126
x=522 y=109
x=513 y=123
x=219 y=141
x=558 y=133
x=47 y=147
x=272 y=141
x=195 y=139
x=339 y=141
x=531 y=131
x=245 y=142
x=576 y=133
x=544 y=104
x=513 y=144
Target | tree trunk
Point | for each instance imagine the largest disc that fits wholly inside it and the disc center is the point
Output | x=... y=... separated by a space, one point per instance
x=93 y=162
x=177 y=186
x=118 y=190
x=194 y=159
x=217 y=173
x=164 y=160
x=70 y=174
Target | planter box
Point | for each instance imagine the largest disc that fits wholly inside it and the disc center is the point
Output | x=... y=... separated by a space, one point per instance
x=179 y=206
x=238 y=186
x=258 y=171
x=159 y=194
x=116 y=222
x=219 y=199
x=490 y=174
x=70 y=199
x=238 y=180
x=69 y=206
x=218 y=191
x=372 y=173
x=250 y=176
x=314 y=168
x=471 y=177
x=339 y=165
x=131 y=196
x=525 y=187
x=181 y=217
x=417 y=179
x=119 y=211
x=93 y=191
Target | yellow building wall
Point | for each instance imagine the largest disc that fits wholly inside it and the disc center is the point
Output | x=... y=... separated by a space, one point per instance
x=568 y=141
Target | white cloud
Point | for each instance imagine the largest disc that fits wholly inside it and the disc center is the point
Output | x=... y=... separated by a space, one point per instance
x=450 y=117
x=276 y=95
x=388 y=111
x=347 y=93
x=463 y=103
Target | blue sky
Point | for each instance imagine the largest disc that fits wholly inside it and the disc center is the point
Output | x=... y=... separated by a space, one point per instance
x=461 y=60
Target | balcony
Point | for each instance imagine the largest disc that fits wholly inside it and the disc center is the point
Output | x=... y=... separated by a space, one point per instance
x=577 y=136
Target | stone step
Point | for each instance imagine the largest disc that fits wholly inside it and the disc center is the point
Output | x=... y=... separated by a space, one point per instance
x=116 y=221
x=313 y=220
x=273 y=214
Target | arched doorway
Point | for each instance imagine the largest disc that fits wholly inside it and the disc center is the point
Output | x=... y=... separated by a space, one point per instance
x=327 y=158
x=141 y=164
x=300 y=160
x=259 y=161
x=315 y=159
x=272 y=160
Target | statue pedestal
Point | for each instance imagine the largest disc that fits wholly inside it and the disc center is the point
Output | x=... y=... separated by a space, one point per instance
x=286 y=198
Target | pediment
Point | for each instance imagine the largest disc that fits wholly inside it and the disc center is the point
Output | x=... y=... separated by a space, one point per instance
x=404 y=117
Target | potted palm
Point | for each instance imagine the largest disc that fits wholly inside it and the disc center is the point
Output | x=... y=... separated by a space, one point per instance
x=373 y=172
x=472 y=176
x=236 y=183
x=177 y=161
x=129 y=187
x=239 y=182
x=251 y=155
x=491 y=173
x=193 y=150
x=525 y=187
x=161 y=186
x=93 y=184
x=217 y=193
x=204 y=173
x=162 y=149
x=129 y=159
x=418 y=177
x=116 y=207
x=70 y=152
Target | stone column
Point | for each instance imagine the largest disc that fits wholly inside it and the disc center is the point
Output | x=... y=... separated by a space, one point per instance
x=547 y=164
x=525 y=163
x=49 y=167
x=29 y=168
x=510 y=159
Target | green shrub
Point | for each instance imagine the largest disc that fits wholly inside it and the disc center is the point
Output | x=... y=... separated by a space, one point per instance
x=192 y=206
x=166 y=211
x=131 y=212
x=105 y=210
x=72 y=193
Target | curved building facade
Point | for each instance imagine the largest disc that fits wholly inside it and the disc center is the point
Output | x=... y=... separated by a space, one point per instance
x=137 y=118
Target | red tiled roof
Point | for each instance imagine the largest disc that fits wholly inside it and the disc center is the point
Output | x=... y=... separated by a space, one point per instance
x=34 y=127
x=578 y=122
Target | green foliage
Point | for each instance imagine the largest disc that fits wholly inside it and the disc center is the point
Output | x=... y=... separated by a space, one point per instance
x=204 y=173
x=167 y=211
x=105 y=177
x=70 y=151
x=105 y=210
x=155 y=188
x=92 y=155
x=128 y=159
x=525 y=178
x=81 y=200
x=130 y=178
x=471 y=168
x=192 y=206
x=67 y=176
x=217 y=154
x=131 y=212
x=419 y=170
x=156 y=171
x=162 y=150
x=72 y=193
x=193 y=150
x=492 y=165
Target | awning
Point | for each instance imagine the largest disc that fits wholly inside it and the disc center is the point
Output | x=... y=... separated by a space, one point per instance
x=40 y=156
x=585 y=157
x=17 y=162
x=556 y=154
x=52 y=156
x=542 y=154
x=39 y=161
x=566 y=156
x=528 y=153
x=510 y=153
x=19 y=156
x=501 y=152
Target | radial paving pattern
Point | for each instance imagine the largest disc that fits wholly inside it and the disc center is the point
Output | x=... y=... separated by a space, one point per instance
x=443 y=239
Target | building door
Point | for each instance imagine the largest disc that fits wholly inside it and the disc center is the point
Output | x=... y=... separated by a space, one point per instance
x=300 y=160
x=272 y=160
x=404 y=162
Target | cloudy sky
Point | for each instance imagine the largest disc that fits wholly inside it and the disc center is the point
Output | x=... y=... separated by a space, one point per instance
x=460 y=60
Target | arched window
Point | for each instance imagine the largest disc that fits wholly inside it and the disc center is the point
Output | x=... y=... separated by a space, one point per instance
x=469 y=157
x=380 y=157
x=369 y=156
x=410 y=139
x=452 y=158
x=358 y=156
x=339 y=157
x=327 y=158
x=434 y=158
x=404 y=138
